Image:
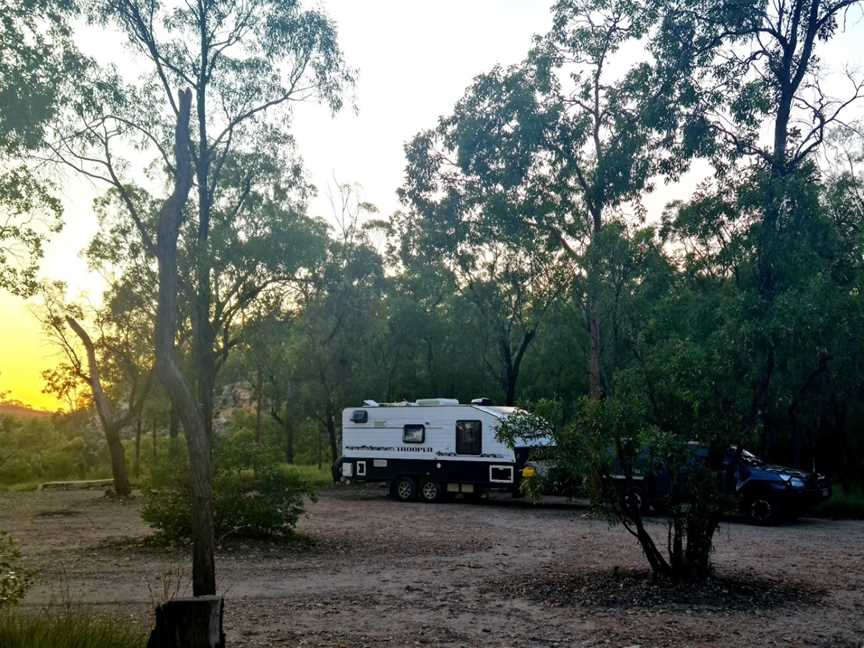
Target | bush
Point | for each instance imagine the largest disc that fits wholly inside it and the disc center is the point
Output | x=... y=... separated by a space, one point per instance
x=14 y=581
x=69 y=629
x=254 y=495
x=843 y=505
x=42 y=449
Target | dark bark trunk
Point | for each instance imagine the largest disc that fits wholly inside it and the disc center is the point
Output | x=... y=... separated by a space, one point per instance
x=700 y=535
x=658 y=564
x=789 y=74
x=173 y=380
x=138 y=448
x=205 y=363
x=632 y=515
x=595 y=382
x=110 y=427
x=118 y=461
x=288 y=429
x=173 y=423
x=259 y=397
x=189 y=623
x=332 y=435
x=514 y=365
x=155 y=442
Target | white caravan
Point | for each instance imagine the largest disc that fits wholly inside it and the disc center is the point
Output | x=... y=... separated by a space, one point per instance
x=431 y=448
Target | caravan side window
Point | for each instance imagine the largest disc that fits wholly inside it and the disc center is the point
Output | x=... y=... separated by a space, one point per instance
x=413 y=434
x=469 y=437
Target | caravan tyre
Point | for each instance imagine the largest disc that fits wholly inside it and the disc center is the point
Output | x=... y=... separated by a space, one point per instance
x=431 y=491
x=405 y=489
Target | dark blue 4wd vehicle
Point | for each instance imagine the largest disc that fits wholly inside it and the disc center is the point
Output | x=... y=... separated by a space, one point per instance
x=765 y=493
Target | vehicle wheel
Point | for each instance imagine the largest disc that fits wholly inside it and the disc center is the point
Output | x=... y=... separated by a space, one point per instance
x=431 y=491
x=405 y=489
x=634 y=500
x=761 y=510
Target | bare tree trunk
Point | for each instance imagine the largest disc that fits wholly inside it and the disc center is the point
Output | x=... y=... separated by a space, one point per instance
x=259 y=397
x=118 y=461
x=595 y=382
x=513 y=364
x=173 y=423
x=332 y=435
x=138 y=447
x=288 y=428
x=205 y=364
x=155 y=442
x=287 y=431
x=110 y=427
x=175 y=383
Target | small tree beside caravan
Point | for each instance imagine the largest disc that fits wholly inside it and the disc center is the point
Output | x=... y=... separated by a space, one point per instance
x=433 y=448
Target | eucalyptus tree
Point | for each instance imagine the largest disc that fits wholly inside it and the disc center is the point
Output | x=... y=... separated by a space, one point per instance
x=246 y=64
x=543 y=155
x=508 y=291
x=753 y=79
x=512 y=296
x=339 y=314
x=744 y=336
x=264 y=246
x=38 y=62
x=114 y=364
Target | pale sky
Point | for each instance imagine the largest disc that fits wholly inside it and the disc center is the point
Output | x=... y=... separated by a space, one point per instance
x=415 y=60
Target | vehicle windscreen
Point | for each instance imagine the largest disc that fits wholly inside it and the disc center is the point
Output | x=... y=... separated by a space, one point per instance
x=750 y=458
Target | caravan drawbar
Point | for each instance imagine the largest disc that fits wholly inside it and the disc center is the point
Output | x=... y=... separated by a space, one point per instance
x=431 y=448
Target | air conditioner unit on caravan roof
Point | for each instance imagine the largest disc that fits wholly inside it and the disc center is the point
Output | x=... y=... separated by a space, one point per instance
x=437 y=402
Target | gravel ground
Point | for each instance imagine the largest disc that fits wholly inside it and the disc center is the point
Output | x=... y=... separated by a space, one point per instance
x=368 y=571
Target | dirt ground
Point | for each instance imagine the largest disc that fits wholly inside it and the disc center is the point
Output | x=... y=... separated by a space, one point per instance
x=369 y=571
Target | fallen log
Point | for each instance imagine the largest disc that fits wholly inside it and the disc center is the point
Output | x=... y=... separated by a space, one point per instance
x=76 y=484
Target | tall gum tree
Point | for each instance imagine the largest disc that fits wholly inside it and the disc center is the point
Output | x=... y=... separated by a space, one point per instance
x=115 y=365
x=546 y=153
x=509 y=291
x=246 y=64
x=750 y=74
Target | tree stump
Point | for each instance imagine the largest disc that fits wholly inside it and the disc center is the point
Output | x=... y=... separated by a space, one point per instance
x=189 y=623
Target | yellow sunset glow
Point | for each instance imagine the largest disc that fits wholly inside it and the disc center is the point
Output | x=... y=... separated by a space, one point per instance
x=24 y=353
x=407 y=79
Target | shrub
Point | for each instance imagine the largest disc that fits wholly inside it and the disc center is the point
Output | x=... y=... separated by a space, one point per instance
x=253 y=494
x=71 y=628
x=14 y=581
x=843 y=505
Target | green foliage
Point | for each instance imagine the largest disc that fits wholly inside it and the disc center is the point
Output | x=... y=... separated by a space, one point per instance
x=843 y=505
x=29 y=213
x=522 y=425
x=316 y=478
x=603 y=437
x=68 y=628
x=37 y=70
x=55 y=448
x=14 y=579
x=254 y=493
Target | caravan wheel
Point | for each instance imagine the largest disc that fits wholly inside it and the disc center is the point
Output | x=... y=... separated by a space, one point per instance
x=431 y=491
x=405 y=489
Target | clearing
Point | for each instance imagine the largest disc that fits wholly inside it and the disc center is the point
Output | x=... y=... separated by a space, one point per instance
x=368 y=571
